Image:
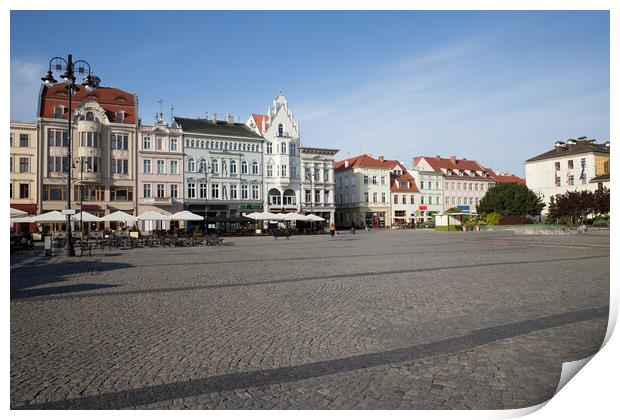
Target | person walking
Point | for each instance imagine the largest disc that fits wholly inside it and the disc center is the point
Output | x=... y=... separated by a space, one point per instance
x=332 y=230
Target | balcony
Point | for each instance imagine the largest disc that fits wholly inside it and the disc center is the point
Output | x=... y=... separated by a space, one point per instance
x=157 y=201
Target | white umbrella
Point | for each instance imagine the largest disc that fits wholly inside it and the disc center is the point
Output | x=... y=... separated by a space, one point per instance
x=186 y=215
x=253 y=215
x=85 y=217
x=119 y=216
x=18 y=213
x=265 y=215
x=153 y=215
x=50 y=217
x=315 y=218
x=280 y=217
x=295 y=217
x=21 y=219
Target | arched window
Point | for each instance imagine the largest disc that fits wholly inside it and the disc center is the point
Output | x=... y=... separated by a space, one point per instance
x=244 y=167
x=215 y=167
x=233 y=166
x=90 y=116
x=283 y=148
x=280 y=130
x=58 y=111
x=191 y=165
x=254 y=168
x=203 y=165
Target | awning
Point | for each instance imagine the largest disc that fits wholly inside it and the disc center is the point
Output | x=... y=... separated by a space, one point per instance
x=153 y=215
x=119 y=216
x=186 y=215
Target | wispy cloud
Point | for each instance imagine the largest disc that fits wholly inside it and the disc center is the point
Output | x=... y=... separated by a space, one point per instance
x=25 y=84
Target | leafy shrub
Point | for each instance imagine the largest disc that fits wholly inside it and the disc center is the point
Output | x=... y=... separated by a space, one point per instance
x=492 y=218
x=451 y=228
x=516 y=220
x=510 y=198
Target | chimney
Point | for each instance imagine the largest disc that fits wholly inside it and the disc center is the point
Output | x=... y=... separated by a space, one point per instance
x=463 y=158
x=230 y=119
x=346 y=163
x=582 y=138
x=438 y=157
x=559 y=145
x=214 y=118
x=607 y=144
x=453 y=160
x=571 y=142
x=381 y=158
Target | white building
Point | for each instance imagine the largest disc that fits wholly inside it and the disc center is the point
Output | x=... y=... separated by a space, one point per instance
x=404 y=195
x=318 y=185
x=576 y=165
x=430 y=186
x=281 y=160
x=362 y=192
x=465 y=181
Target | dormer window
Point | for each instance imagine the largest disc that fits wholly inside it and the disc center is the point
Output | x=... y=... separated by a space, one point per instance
x=58 y=110
x=461 y=172
x=119 y=116
x=280 y=130
x=90 y=116
x=449 y=171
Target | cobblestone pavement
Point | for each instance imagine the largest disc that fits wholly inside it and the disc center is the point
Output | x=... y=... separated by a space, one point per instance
x=394 y=319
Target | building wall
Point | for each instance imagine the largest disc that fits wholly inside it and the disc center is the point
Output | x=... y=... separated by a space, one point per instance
x=317 y=172
x=117 y=189
x=223 y=150
x=431 y=193
x=461 y=191
x=23 y=166
x=541 y=175
x=157 y=143
x=351 y=204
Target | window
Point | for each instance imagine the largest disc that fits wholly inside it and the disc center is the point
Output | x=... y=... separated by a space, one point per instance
x=374 y=180
x=269 y=147
x=374 y=197
x=283 y=170
x=269 y=170
x=571 y=180
x=57 y=138
x=308 y=195
x=412 y=201
x=202 y=188
x=191 y=190
x=244 y=167
x=422 y=199
x=396 y=199
x=146 y=191
x=160 y=167
x=24 y=190
x=557 y=166
x=255 y=192
x=23 y=140
x=570 y=164
x=283 y=148
x=215 y=190
x=90 y=116
x=326 y=177
x=121 y=194
x=58 y=112
x=24 y=165
x=366 y=197
x=215 y=167
x=280 y=130
x=146 y=143
x=119 y=141
x=421 y=185
x=91 y=139
x=244 y=192
x=326 y=197
x=202 y=166
x=191 y=165
x=293 y=149
x=558 y=182
x=174 y=166
x=437 y=185
x=383 y=180
x=174 y=144
x=54 y=192
x=470 y=185
x=233 y=191
x=475 y=187
x=174 y=191
x=119 y=166
x=255 y=168
x=404 y=199
x=119 y=117
x=233 y=167
x=447 y=200
x=365 y=179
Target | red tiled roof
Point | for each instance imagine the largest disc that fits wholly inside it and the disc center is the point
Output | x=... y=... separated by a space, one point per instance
x=110 y=99
x=361 y=161
x=504 y=178
x=258 y=119
x=439 y=163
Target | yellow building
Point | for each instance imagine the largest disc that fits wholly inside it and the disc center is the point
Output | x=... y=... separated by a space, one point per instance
x=23 y=166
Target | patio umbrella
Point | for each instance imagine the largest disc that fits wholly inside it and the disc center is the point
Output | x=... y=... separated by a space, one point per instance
x=186 y=215
x=265 y=215
x=280 y=217
x=153 y=215
x=295 y=217
x=50 y=217
x=85 y=217
x=315 y=218
x=119 y=216
x=21 y=219
x=18 y=213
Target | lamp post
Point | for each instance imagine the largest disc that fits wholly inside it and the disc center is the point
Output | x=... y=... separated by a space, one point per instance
x=205 y=170
x=69 y=79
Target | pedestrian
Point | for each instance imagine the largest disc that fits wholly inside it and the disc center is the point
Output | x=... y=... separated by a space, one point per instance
x=332 y=230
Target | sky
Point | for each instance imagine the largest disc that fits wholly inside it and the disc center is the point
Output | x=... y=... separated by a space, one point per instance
x=495 y=86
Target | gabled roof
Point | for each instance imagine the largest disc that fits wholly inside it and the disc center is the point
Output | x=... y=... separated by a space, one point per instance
x=438 y=163
x=361 y=161
x=223 y=128
x=504 y=178
x=579 y=147
x=258 y=120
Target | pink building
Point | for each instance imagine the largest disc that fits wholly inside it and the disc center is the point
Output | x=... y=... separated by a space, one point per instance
x=160 y=172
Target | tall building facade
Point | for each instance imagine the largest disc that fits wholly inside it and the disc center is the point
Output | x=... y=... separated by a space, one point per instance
x=160 y=171
x=23 y=166
x=430 y=185
x=223 y=167
x=404 y=195
x=103 y=142
x=574 y=165
x=281 y=157
x=318 y=185
x=362 y=192
x=465 y=181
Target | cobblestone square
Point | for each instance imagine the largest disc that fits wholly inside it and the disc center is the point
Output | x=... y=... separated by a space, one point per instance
x=380 y=320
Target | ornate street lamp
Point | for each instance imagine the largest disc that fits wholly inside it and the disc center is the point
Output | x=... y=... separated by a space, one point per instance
x=205 y=170
x=70 y=68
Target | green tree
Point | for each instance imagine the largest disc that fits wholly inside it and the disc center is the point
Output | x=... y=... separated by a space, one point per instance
x=509 y=199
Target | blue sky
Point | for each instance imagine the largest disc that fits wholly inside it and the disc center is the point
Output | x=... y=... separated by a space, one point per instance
x=498 y=87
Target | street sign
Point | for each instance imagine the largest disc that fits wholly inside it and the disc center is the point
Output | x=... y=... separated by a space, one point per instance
x=69 y=212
